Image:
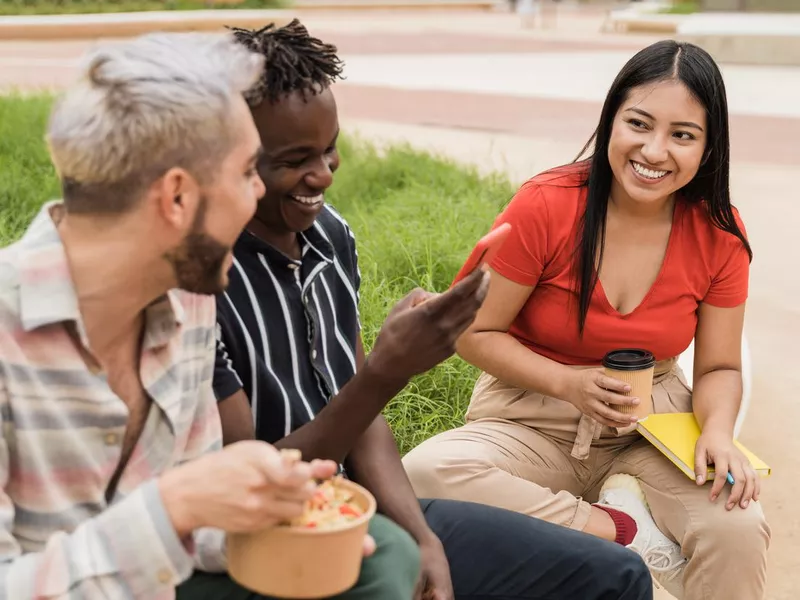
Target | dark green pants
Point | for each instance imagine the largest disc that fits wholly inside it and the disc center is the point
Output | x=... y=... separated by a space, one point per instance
x=389 y=574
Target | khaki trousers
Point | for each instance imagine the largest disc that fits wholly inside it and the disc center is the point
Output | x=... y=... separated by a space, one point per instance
x=540 y=456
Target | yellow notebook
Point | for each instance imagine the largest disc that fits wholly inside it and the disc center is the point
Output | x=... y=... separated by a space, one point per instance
x=675 y=435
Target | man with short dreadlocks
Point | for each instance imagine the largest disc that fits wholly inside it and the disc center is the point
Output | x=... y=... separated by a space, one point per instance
x=292 y=371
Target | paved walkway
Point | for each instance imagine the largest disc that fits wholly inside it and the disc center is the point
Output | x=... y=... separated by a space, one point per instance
x=481 y=89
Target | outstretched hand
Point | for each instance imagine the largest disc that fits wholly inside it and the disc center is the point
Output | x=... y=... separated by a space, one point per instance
x=422 y=329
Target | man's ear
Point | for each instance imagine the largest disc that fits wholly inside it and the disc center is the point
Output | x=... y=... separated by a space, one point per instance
x=178 y=196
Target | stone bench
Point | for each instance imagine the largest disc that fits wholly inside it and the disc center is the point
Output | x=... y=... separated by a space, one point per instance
x=641 y=18
x=746 y=38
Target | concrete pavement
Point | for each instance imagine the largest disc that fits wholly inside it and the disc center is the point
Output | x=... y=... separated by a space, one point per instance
x=483 y=90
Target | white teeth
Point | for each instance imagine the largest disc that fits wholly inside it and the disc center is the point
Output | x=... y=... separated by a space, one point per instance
x=649 y=173
x=309 y=200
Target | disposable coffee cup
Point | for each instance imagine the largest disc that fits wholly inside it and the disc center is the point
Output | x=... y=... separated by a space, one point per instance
x=635 y=367
x=295 y=562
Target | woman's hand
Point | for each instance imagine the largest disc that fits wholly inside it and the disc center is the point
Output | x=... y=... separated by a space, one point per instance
x=718 y=449
x=595 y=394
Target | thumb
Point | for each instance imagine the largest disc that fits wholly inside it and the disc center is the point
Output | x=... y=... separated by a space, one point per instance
x=422 y=297
x=419 y=589
x=700 y=463
x=410 y=300
x=369 y=546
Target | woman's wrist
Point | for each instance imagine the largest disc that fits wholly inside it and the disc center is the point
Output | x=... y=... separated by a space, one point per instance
x=563 y=376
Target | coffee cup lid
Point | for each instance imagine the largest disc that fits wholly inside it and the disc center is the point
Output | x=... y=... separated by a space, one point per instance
x=629 y=359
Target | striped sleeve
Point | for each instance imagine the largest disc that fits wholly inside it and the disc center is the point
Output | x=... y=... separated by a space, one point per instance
x=102 y=557
x=226 y=379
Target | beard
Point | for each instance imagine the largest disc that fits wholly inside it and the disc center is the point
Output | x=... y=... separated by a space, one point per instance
x=198 y=263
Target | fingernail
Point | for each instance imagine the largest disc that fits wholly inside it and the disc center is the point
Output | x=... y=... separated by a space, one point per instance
x=635 y=401
x=700 y=479
x=714 y=498
x=745 y=503
x=729 y=507
x=627 y=388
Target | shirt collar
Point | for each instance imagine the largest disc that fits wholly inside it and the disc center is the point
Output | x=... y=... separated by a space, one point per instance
x=314 y=246
x=47 y=293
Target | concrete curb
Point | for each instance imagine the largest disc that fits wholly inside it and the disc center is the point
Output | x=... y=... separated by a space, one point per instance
x=644 y=18
x=63 y=27
x=751 y=39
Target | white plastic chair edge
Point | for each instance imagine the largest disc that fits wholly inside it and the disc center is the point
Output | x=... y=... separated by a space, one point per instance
x=686 y=363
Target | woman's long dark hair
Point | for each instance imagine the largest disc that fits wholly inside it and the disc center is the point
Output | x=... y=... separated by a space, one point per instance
x=662 y=61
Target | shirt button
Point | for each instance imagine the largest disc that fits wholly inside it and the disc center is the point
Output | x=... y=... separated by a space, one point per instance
x=313 y=355
x=293 y=266
x=112 y=439
x=164 y=576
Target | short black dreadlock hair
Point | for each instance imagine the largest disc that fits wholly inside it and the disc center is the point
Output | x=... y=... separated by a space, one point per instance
x=295 y=61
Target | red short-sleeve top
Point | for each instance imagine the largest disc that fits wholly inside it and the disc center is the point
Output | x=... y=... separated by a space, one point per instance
x=702 y=264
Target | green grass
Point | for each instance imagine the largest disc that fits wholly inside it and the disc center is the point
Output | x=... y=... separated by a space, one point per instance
x=682 y=7
x=47 y=7
x=416 y=218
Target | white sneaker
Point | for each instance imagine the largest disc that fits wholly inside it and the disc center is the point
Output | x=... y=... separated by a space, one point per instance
x=661 y=555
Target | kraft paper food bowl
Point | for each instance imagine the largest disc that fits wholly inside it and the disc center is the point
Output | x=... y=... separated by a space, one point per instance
x=294 y=562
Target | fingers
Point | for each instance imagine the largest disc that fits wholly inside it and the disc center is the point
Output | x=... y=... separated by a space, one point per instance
x=739 y=482
x=467 y=295
x=284 y=470
x=756 y=486
x=369 y=546
x=423 y=297
x=700 y=464
x=608 y=416
x=419 y=589
x=611 y=384
x=483 y=290
x=299 y=494
x=276 y=510
x=721 y=467
x=750 y=480
x=610 y=390
x=616 y=399
x=323 y=469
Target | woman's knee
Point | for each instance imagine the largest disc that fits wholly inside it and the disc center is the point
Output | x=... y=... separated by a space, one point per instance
x=738 y=532
x=436 y=467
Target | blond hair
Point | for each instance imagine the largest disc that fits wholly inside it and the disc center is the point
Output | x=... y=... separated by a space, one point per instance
x=142 y=107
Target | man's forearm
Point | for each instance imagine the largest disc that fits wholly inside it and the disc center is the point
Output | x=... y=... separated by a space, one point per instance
x=335 y=430
x=375 y=463
x=79 y=563
x=716 y=399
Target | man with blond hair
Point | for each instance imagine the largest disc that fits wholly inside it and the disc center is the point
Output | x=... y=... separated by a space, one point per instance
x=112 y=481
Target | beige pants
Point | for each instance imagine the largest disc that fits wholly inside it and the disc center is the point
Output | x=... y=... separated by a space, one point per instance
x=538 y=455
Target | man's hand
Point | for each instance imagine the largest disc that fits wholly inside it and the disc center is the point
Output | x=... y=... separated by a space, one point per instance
x=434 y=582
x=246 y=486
x=422 y=329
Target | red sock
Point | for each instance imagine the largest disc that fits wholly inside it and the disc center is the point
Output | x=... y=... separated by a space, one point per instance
x=626 y=526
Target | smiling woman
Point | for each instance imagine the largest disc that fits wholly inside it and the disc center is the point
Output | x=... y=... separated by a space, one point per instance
x=636 y=246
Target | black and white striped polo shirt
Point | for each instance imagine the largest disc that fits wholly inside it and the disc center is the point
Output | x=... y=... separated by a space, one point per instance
x=287 y=329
